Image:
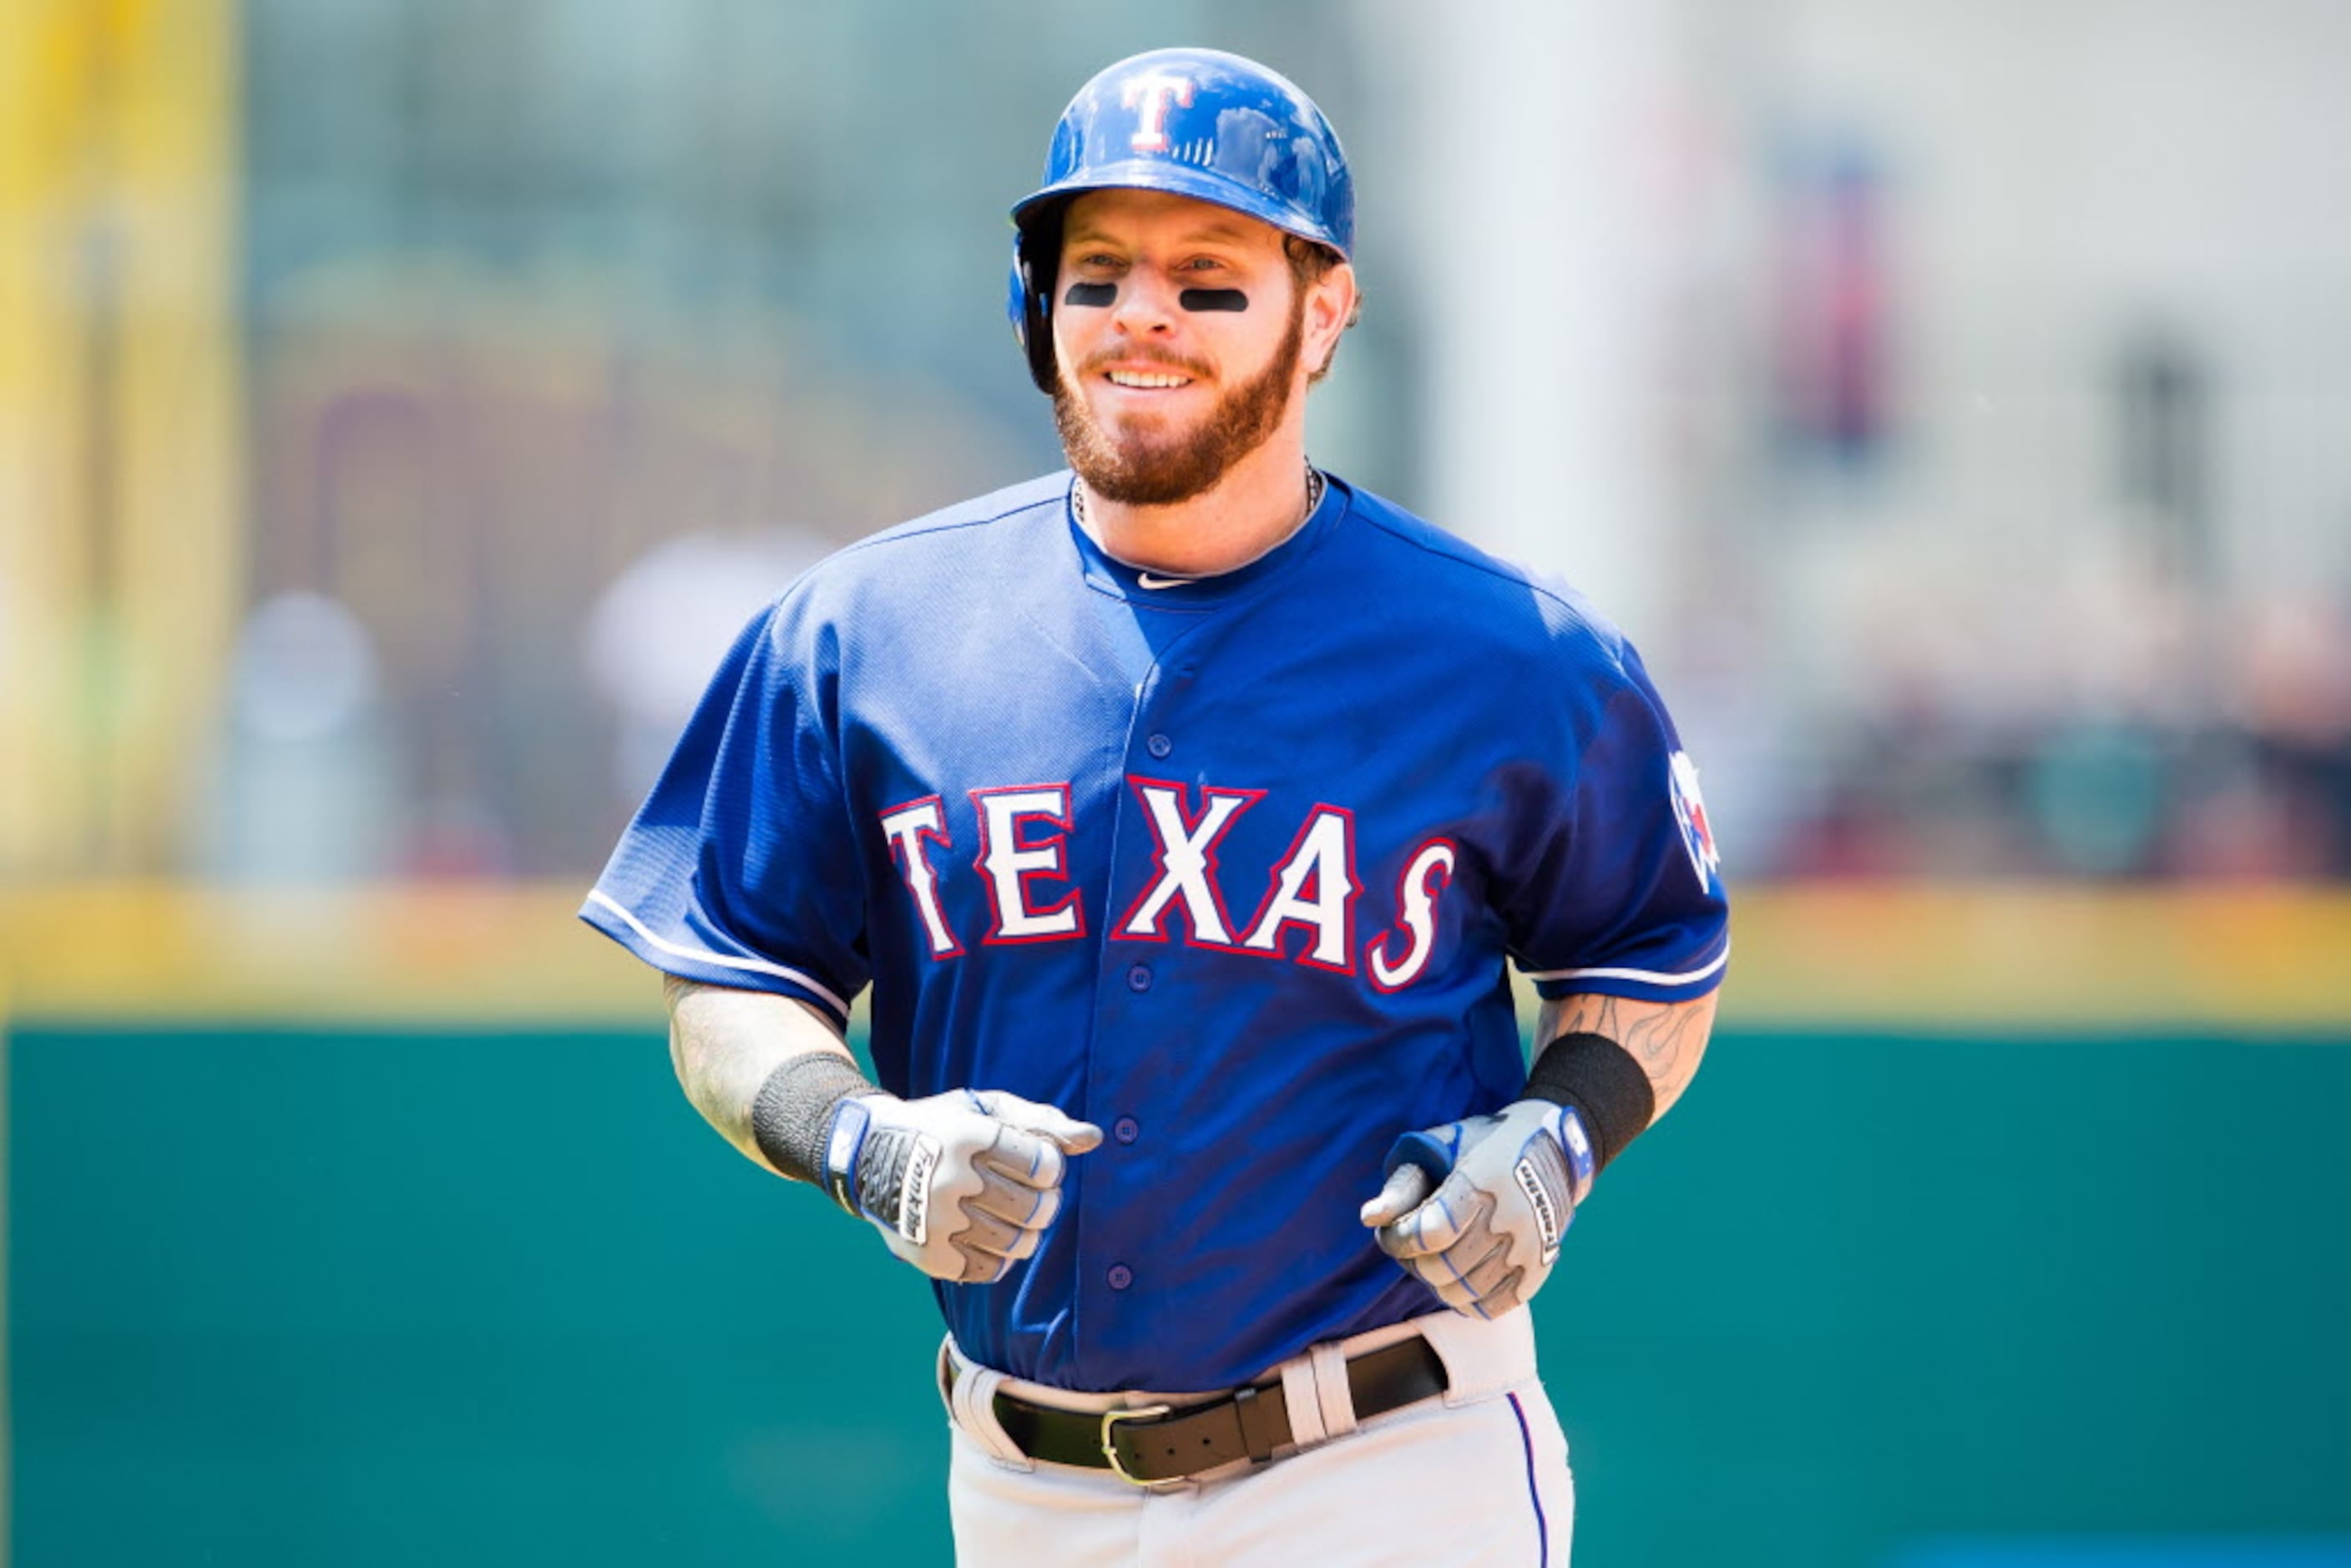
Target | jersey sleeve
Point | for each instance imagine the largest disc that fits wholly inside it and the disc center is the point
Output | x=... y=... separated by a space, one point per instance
x=1614 y=886
x=739 y=869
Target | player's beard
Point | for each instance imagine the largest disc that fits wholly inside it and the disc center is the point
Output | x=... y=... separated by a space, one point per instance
x=1147 y=470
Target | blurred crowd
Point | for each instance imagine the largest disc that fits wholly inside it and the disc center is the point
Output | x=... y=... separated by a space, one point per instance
x=2244 y=775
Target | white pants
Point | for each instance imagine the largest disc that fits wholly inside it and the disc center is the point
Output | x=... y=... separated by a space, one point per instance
x=1476 y=1477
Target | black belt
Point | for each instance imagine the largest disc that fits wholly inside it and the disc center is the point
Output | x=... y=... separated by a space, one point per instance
x=1156 y=1443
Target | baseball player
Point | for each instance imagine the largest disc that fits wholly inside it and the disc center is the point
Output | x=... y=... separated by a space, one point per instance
x=1183 y=811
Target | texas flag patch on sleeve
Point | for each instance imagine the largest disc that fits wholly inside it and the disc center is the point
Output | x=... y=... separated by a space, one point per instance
x=1689 y=811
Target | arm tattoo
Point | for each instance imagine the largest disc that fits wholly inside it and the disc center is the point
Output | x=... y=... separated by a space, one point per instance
x=723 y=1042
x=1667 y=1039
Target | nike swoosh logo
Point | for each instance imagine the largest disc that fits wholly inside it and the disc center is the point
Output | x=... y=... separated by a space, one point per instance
x=1144 y=580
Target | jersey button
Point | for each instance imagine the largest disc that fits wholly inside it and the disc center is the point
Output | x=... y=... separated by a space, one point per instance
x=1139 y=978
x=1159 y=746
x=1120 y=1276
x=1126 y=1129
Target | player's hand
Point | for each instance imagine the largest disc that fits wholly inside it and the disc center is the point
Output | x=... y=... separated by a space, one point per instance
x=1505 y=1189
x=960 y=1185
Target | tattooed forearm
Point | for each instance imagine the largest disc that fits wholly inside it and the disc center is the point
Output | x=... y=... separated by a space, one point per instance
x=723 y=1042
x=1669 y=1039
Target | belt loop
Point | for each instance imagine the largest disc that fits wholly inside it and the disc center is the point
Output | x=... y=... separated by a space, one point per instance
x=1333 y=1394
x=972 y=1403
x=1299 y=1375
x=1481 y=1358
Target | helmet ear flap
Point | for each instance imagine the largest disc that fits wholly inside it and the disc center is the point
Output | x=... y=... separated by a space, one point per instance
x=1036 y=259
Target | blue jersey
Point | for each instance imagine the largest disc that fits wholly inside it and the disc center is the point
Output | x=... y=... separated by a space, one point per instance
x=1231 y=868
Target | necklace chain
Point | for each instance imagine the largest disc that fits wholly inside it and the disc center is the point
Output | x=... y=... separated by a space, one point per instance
x=1313 y=496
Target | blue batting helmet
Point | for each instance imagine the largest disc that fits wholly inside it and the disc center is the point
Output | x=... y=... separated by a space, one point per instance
x=1193 y=122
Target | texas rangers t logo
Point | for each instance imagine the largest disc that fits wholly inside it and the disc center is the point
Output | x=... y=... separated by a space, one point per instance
x=1154 y=92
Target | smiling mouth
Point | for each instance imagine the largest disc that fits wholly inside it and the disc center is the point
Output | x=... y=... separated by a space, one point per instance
x=1150 y=380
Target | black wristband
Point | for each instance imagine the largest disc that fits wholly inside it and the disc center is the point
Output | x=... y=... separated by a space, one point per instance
x=794 y=1108
x=1601 y=1081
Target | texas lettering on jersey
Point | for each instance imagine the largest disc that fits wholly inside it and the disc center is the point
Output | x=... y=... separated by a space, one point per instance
x=1022 y=833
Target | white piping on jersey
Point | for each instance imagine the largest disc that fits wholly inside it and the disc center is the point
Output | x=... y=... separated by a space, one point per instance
x=1651 y=977
x=759 y=965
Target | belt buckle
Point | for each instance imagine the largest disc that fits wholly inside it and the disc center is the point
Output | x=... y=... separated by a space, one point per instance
x=1111 y=1418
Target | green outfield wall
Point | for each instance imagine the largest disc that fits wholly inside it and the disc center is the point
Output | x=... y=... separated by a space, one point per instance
x=312 y=1294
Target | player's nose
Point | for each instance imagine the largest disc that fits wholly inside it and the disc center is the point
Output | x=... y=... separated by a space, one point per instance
x=1146 y=305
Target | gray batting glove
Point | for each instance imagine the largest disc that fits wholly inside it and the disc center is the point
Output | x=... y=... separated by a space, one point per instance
x=1505 y=1189
x=960 y=1185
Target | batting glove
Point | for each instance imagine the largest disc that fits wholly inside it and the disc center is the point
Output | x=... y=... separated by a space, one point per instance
x=1505 y=1189
x=960 y=1185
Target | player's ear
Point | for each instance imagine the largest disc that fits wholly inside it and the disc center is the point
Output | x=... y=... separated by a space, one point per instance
x=1332 y=305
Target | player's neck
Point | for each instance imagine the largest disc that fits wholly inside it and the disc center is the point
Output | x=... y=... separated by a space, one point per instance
x=1259 y=502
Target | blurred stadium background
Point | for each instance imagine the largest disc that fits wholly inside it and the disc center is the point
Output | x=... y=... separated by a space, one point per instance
x=402 y=401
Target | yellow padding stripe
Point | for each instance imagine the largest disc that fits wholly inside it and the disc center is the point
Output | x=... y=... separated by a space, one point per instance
x=2042 y=956
x=459 y=955
x=1899 y=956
